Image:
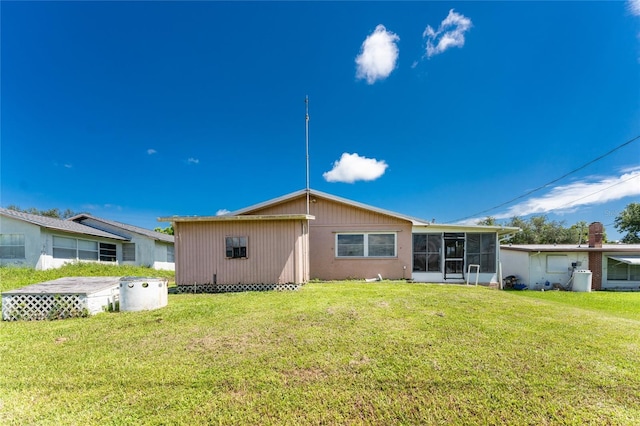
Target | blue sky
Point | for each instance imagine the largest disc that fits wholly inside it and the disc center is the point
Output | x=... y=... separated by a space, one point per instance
x=440 y=110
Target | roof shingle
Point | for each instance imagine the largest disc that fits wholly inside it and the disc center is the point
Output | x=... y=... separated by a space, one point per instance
x=59 y=224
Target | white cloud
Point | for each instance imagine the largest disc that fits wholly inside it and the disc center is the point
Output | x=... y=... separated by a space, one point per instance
x=351 y=167
x=151 y=151
x=192 y=160
x=102 y=206
x=222 y=212
x=568 y=198
x=378 y=55
x=450 y=33
x=68 y=166
x=634 y=7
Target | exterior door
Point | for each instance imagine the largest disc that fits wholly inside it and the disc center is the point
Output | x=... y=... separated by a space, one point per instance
x=453 y=256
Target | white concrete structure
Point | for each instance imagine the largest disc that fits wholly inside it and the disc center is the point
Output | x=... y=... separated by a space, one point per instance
x=62 y=298
x=143 y=293
x=614 y=266
x=542 y=266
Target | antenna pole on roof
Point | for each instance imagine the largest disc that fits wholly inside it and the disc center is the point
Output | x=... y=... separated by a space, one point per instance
x=308 y=190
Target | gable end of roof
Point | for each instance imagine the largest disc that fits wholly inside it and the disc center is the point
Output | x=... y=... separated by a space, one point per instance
x=120 y=228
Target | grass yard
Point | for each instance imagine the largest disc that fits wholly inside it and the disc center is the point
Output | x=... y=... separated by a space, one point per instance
x=12 y=277
x=333 y=353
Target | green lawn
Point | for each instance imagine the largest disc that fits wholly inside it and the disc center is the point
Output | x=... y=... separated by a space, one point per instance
x=333 y=353
x=621 y=304
x=12 y=277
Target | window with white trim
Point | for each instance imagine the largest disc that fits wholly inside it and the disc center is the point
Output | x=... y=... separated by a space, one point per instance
x=65 y=248
x=235 y=247
x=128 y=252
x=72 y=248
x=171 y=254
x=368 y=244
x=87 y=250
x=12 y=246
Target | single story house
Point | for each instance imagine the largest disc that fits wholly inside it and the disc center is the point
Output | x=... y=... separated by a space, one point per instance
x=43 y=242
x=314 y=235
x=612 y=266
x=143 y=246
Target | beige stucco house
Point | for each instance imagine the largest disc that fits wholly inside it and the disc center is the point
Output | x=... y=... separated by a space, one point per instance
x=315 y=235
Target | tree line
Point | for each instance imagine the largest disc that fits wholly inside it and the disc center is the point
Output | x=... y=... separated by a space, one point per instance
x=540 y=230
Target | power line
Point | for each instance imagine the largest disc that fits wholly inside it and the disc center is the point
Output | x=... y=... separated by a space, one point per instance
x=551 y=182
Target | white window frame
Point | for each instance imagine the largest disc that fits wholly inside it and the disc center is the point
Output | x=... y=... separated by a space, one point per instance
x=126 y=250
x=79 y=245
x=366 y=244
x=93 y=248
x=55 y=247
x=18 y=250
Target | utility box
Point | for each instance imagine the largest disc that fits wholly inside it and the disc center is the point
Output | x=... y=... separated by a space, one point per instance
x=582 y=280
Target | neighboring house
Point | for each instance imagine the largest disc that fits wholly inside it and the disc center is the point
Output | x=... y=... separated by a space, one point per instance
x=143 y=246
x=43 y=242
x=612 y=266
x=298 y=237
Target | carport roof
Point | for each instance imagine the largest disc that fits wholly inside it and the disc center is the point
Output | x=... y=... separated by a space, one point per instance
x=629 y=260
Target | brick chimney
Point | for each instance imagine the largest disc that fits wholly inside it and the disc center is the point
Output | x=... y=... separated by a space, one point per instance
x=595 y=235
